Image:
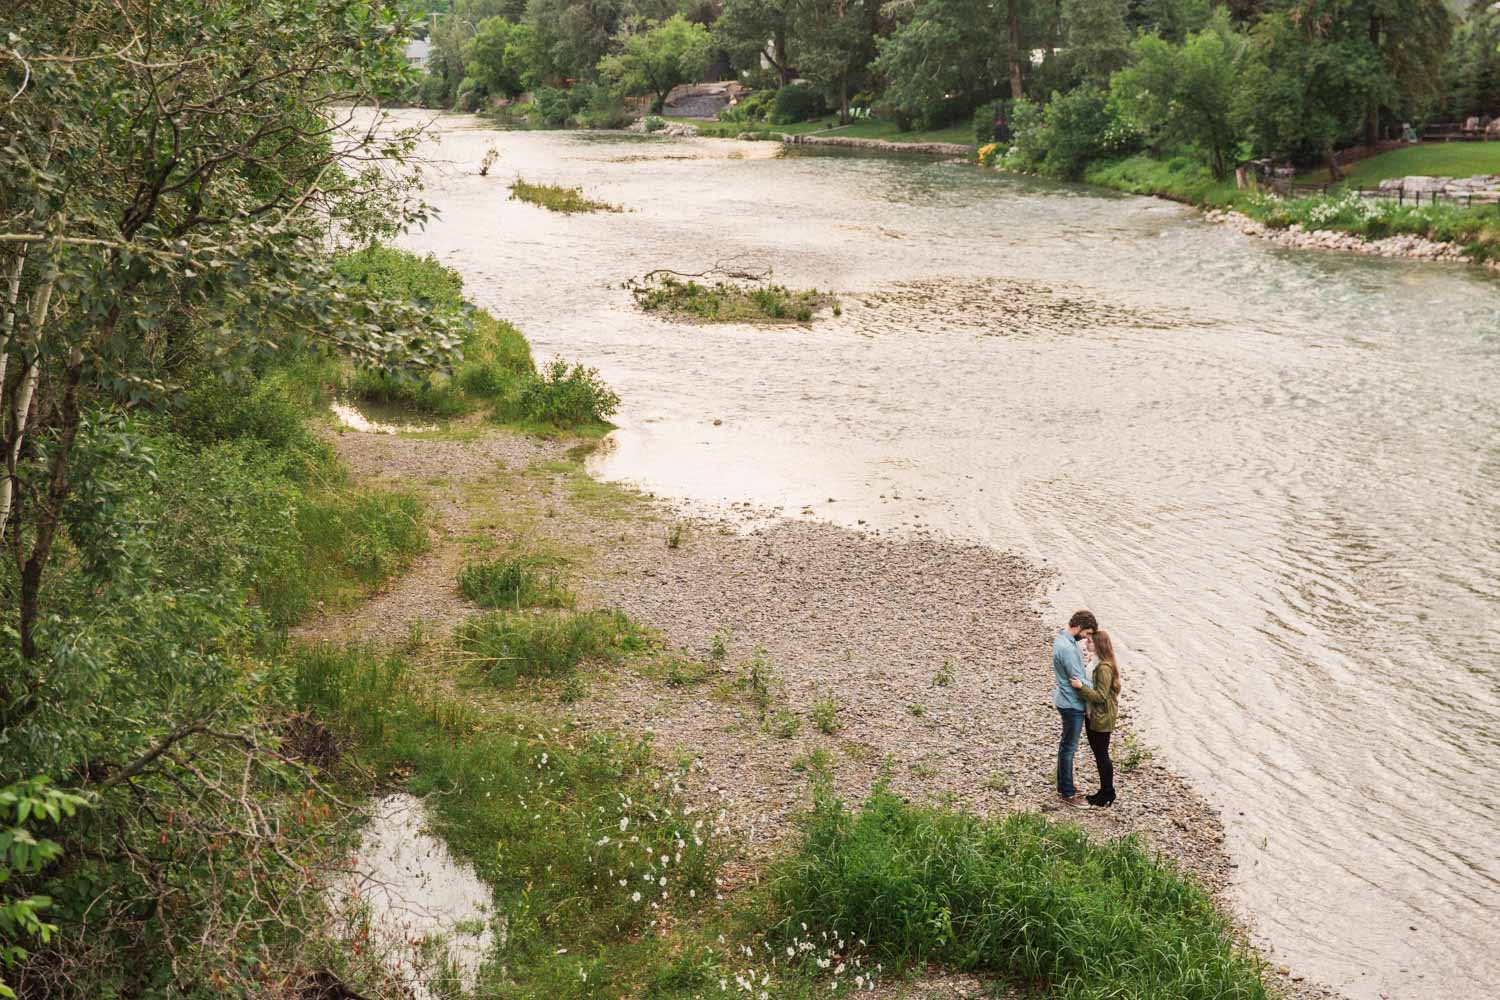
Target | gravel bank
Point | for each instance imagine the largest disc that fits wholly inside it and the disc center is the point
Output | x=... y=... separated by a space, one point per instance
x=935 y=654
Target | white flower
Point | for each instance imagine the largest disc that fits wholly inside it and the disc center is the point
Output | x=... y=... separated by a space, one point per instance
x=635 y=897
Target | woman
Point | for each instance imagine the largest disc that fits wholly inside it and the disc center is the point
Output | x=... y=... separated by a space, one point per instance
x=1102 y=704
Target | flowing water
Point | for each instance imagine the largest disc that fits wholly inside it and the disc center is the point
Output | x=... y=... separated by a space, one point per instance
x=1274 y=475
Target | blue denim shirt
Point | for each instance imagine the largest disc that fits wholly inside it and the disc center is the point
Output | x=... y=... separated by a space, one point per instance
x=1067 y=662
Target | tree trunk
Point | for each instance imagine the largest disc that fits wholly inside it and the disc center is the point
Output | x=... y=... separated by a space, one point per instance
x=844 y=99
x=1372 y=122
x=1334 y=174
x=782 y=63
x=1013 y=48
x=49 y=506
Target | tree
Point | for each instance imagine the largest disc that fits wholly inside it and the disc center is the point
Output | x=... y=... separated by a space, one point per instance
x=942 y=62
x=501 y=58
x=752 y=30
x=1305 y=88
x=167 y=162
x=837 y=41
x=1186 y=93
x=573 y=35
x=1098 y=42
x=1474 y=65
x=658 y=59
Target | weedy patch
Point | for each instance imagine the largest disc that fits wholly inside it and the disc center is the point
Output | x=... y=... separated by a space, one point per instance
x=1136 y=753
x=944 y=677
x=729 y=301
x=513 y=582
x=505 y=646
x=557 y=198
x=825 y=715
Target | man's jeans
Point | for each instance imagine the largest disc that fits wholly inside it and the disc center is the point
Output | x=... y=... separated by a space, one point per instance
x=1072 y=725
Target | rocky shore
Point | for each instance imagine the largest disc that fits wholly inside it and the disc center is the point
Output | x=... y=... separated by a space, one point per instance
x=934 y=656
x=1298 y=238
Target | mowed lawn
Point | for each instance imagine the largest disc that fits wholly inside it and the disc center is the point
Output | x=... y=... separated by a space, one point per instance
x=1432 y=159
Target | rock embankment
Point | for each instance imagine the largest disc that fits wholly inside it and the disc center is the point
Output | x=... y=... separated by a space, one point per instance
x=882 y=145
x=1298 y=238
x=1481 y=189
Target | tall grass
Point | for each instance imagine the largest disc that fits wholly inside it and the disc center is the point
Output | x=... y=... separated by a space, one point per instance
x=1033 y=901
x=730 y=302
x=512 y=582
x=506 y=646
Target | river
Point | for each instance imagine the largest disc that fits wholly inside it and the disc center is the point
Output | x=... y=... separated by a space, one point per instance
x=1274 y=475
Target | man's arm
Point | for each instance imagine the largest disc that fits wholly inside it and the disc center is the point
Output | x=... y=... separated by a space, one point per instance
x=1074 y=665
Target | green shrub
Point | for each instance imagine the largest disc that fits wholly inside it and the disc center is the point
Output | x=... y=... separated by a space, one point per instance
x=754 y=108
x=512 y=582
x=551 y=107
x=508 y=645
x=600 y=107
x=984 y=121
x=794 y=103
x=654 y=123
x=1022 y=897
x=1076 y=126
x=387 y=271
x=563 y=396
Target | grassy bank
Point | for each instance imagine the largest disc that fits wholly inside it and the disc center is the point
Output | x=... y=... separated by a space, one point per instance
x=1475 y=230
x=1026 y=899
x=1433 y=159
x=494 y=371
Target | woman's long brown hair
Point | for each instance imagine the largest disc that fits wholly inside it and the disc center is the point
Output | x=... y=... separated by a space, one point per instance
x=1105 y=650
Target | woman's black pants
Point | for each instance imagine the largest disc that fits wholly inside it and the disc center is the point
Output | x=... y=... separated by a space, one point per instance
x=1099 y=743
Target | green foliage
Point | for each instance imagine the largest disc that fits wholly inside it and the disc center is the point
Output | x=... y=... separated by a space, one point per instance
x=551 y=106
x=1022 y=897
x=501 y=58
x=562 y=396
x=601 y=106
x=1185 y=95
x=1074 y=129
x=754 y=108
x=729 y=302
x=752 y=30
x=24 y=807
x=557 y=198
x=948 y=59
x=1473 y=69
x=1098 y=41
x=506 y=646
x=659 y=58
x=512 y=582
x=984 y=120
x=795 y=103
x=825 y=715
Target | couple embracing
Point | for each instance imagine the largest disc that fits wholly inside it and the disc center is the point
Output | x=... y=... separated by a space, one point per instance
x=1084 y=700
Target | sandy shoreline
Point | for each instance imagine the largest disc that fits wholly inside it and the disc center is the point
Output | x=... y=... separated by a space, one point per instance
x=871 y=622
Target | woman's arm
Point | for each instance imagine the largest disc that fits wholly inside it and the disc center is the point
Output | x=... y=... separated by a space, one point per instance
x=1099 y=693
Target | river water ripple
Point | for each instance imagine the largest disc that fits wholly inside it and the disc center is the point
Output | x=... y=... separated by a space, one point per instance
x=1274 y=475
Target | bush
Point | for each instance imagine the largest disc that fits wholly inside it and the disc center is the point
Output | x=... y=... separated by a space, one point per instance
x=563 y=396
x=1022 y=897
x=600 y=107
x=984 y=121
x=514 y=582
x=508 y=645
x=654 y=123
x=796 y=103
x=728 y=302
x=1077 y=123
x=754 y=108
x=550 y=106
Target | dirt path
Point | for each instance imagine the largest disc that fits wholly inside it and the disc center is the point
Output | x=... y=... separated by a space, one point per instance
x=933 y=655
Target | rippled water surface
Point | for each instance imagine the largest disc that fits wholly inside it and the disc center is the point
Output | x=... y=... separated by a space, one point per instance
x=1272 y=474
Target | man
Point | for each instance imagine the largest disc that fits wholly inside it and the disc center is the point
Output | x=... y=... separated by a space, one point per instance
x=1067 y=666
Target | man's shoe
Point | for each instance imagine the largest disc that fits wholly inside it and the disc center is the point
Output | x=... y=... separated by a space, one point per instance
x=1071 y=800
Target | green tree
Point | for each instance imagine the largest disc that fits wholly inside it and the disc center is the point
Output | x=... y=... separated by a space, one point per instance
x=1185 y=94
x=136 y=191
x=573 y=35
x=1305 y=91
x=658 y=59
x=752 y=30
x=501 y=58
x=1098 y=42
x=942 y=62
x=1474 y=65
x=837 y=42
